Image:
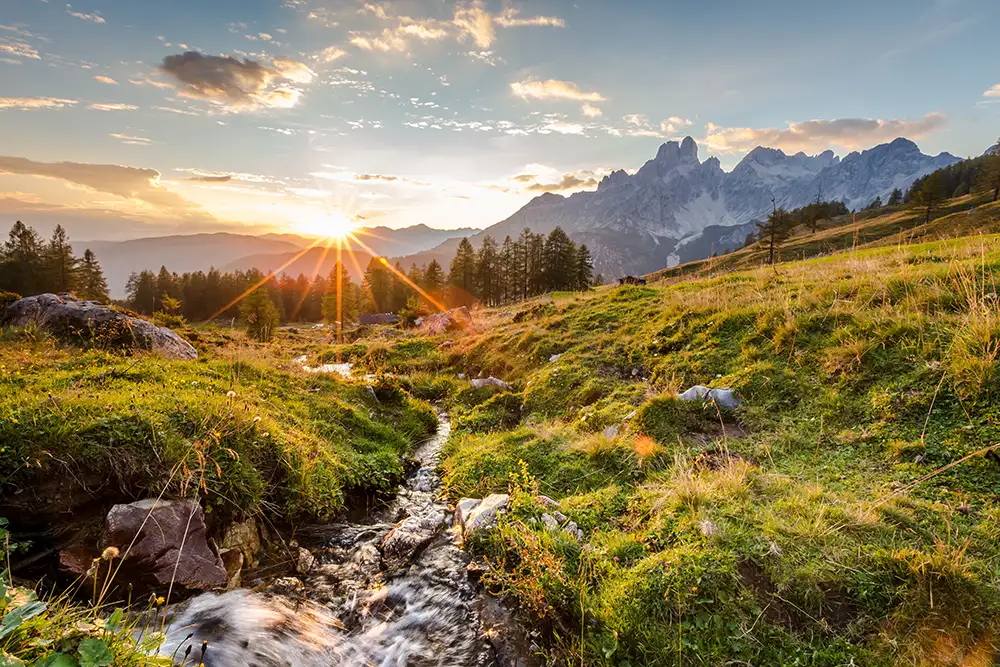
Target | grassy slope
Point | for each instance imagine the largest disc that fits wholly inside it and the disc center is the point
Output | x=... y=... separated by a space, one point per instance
x=284 y=443
x=827 y=538
x=956 y=217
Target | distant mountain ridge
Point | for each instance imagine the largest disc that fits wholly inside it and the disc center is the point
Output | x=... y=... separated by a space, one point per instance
x=228 y=251
x=676 y=208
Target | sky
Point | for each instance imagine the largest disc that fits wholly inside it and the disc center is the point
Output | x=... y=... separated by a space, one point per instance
x=130 y=118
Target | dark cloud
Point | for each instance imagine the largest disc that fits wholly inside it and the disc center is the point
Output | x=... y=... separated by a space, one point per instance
x=568 y=182
x=125 y=182
x=239 y=84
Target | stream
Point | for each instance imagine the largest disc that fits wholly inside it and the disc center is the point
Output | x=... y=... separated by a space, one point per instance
x=391 y=590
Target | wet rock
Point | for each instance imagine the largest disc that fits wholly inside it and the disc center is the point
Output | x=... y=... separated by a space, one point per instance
x=232 y=560
x=304 y=561
x=412 y=533
x=168 y=542
x=724 y=398
x=449 y=320
x=489 y=382
x=71 y=319
x=244 y=536
x=484 y=515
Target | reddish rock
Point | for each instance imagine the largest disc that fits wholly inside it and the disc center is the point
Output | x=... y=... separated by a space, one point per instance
x=169 y=545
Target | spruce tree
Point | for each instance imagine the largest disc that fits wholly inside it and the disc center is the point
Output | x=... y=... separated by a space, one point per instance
x=348 y=303
x=508 y=270
x=141 y=292
x=462 y=274
x=930 y=194
x=59 y=263
x=260 y=314
x=487 y=283
x=90 y=279
x=433 y=279
x=584 y=269
x=896 y=198
x=377 y=286
x=559 y=261
x=21 y=261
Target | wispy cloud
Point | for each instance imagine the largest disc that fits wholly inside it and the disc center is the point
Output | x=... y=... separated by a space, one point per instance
x=238 y=84
x=34 y=103
x=674 y=124
x=330 y=54
x=992 y=92
x=95 y=17
x=18 y=48
x=180 y=112
x=131 y=140
x=552 y=89
x=105 y=79
x=814 y=136
x=114 y=106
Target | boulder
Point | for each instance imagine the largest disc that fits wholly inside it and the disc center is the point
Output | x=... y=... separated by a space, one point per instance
x=244 y=536
x=484 y=515
x=490 y=382
x=74 y=320
x=165 y=540
x=449 y=320
x=724 y=398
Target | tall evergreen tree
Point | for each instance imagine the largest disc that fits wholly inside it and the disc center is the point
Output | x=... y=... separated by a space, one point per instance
x=462 y=274
x=896 y=198
x=930 y=194
x=377 y=286
x=508 y=270
x=260 y=313
x=141 y=292
x=21 y=261
x=433 y=279
x=348 y=297
x=59 y=263
x=90 y=279
x=584 y=268
x=559 y=261
x=487 y=278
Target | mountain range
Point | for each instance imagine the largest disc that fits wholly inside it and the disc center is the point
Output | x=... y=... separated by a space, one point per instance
x=676 y=208
x=228 y=252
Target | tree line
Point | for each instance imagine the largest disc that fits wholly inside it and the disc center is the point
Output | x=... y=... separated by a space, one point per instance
x=31 y=265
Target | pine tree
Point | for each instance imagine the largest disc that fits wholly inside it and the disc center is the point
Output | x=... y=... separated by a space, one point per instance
x=559 y=261
x=487 y=283
x=260 y=314
x=535 y=274
x=930 y=194
x=462 y=274
x=377 y=286
x=508 y=270
x=59 y=263
x=166 y=285
x=21 y=261
x=989 y=175
x=90 y=279
x=433 y=279
x=584 y=268
x=348 y=303
x=522 y=261
x=401 y=292
x=774 y=231
x=141 y=292
x=896 y=198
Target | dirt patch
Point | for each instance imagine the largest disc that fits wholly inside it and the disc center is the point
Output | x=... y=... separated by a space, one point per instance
x=836 y=611
x=719 y=457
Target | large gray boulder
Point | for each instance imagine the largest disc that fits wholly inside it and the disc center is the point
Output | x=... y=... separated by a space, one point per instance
x=74 y=320
x=165 y=540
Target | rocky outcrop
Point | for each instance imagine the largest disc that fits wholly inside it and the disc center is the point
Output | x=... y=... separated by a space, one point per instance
x=73 y=320
x=164 y=540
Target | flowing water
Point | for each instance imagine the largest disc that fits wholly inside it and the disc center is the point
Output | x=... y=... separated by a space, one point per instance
x=392 y=590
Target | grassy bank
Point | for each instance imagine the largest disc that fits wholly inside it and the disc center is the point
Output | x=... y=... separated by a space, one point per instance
x=846 y=513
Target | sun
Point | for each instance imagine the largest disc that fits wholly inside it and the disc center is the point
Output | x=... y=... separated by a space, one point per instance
x=331 y=224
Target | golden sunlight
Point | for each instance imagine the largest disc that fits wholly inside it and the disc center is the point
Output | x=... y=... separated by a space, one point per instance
x=333 y=224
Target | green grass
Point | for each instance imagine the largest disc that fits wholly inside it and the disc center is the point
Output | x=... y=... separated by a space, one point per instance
x=247 y=435
x=844 y=514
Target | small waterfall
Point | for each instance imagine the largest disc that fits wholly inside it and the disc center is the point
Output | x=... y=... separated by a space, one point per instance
x=391 y=591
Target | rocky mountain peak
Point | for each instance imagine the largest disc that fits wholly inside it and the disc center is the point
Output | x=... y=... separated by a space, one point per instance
x=614 y=179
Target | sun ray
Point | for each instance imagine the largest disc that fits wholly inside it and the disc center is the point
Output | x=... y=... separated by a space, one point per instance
x=399 y=274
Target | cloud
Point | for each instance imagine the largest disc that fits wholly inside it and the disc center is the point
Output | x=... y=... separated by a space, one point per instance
x=992 y=92
x=563 y=127
x=112 y=107
x=330 y=54
x=33 y=103
x=510 y=19
x=131 y=183
x=566 y=183
x=591 y=111
x=96 y=18
x=673 y=124
x=105 y=79
x=552 y=89
x=150 y=82
x=471 y=22
x=19 y=48
x=132 y=141
x=180 y=112
x=814 y=136
x=237 y=84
